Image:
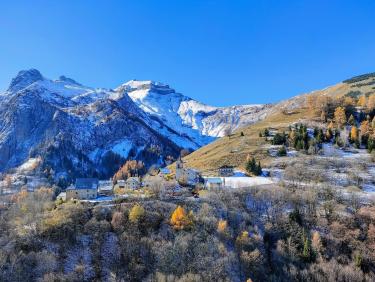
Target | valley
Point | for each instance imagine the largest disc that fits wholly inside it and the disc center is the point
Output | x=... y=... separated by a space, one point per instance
x=287 y=194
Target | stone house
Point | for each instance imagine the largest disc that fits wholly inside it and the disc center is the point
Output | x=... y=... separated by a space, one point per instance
x=84 y=189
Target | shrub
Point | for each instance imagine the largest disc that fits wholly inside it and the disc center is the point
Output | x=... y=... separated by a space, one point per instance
x=136 y=213
x=279 y=139
x=282 y=152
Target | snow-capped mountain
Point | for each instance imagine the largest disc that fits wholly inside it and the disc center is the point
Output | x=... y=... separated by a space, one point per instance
x=85 y=131
x=190 y=117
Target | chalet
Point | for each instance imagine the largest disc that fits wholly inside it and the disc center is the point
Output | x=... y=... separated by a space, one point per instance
x=226 y=171
x=133 y=183
x=84 y=189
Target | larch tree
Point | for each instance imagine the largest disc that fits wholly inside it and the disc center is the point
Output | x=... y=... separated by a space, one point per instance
x=354 y=134
x=362 y=101
x=365 y=127
x=180 y=219
x=371 y=103
x=340 y=116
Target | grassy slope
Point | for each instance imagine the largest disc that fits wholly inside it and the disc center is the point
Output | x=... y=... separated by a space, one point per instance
x=234 y=149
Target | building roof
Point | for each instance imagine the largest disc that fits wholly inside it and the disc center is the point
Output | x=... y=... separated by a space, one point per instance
x=86 y=183
x=226 y=166
x=214 y=180
x=165 y=170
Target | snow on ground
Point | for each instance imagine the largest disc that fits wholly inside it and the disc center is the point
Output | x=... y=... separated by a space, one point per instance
x=329 y=150
x=29 y=165
x=100 y=199
x=240 y=182
x=368 y=188
x=123 y=148
x=239 y=173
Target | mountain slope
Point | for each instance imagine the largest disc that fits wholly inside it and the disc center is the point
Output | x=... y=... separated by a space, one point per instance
x=233 y=150
x=74 y=127
x=78 y=128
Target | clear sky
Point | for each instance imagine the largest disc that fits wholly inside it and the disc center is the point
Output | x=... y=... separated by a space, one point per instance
x=218 y=52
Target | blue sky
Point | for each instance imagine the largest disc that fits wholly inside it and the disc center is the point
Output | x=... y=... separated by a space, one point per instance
x=218 y=52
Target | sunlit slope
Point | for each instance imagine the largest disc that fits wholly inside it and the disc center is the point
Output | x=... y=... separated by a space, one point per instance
x=233 y=150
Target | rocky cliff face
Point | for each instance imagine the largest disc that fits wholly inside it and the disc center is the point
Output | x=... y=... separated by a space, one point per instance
x=79 y=130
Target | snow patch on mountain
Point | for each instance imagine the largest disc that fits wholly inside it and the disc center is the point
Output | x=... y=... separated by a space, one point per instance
x=201 y=122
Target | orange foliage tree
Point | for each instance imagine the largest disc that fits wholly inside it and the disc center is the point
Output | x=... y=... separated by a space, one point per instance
x=365 y=127
x=180 y=219
x=129 y=169
x=371 y=102
x=362 y=101
x=354 y=134
x=222 y=226
x=340 y=116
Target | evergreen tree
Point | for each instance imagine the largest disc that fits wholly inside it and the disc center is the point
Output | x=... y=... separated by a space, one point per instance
x=282 y=152
x=252 y=167
x=351 y=120
x=306 y=249
x=371 y=144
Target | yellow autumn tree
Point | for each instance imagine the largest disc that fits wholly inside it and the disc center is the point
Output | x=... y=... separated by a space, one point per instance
x=371 y=102
x=316 y=242
x=340 y=116
x=180 y=219
x=330 y=125
x=365 y=127
x=362 y=101
x=136 y=213
x=222 y=226
x=354 y=134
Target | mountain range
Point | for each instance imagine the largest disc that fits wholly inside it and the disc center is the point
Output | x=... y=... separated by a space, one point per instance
x=80 y=130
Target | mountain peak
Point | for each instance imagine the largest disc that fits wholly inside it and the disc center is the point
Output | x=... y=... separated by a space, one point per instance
x=150 y=85
x=24 y=78
x=69 y=80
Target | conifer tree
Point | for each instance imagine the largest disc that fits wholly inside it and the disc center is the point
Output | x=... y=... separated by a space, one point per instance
x=351 y=120
x=340 y=116
x=353 y=134
x=362 y=101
